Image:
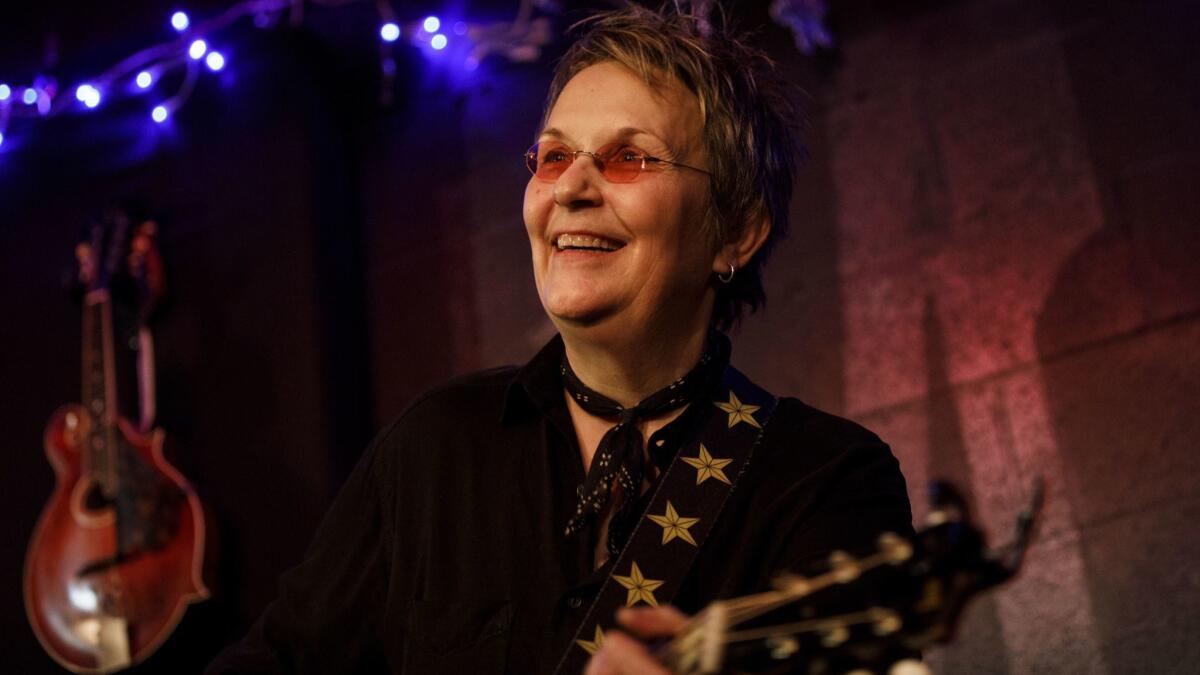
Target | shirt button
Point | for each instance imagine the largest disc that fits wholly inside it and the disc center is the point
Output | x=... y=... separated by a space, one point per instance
x=574 y=602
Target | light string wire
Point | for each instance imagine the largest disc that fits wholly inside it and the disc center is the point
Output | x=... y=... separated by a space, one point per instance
x=519 y=40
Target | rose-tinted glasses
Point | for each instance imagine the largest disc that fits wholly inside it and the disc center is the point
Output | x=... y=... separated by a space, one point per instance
x=617 y=162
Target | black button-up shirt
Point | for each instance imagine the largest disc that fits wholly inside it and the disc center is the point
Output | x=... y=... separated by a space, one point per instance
x=445 y=553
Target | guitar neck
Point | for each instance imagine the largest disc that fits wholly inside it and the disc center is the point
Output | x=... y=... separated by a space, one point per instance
x=99 y=391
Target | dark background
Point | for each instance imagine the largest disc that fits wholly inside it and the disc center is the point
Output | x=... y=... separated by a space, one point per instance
x=993 y=264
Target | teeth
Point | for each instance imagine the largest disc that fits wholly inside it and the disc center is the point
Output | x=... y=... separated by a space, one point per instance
x=581 y=241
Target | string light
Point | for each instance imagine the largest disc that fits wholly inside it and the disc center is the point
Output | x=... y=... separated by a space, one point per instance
x=88 y=95
x=196 y=49
x=518 y=40
x=215 y=61
x=1 y=138
x=189 y=43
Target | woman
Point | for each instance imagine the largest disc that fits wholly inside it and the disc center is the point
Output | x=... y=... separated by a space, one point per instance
x=486 y=529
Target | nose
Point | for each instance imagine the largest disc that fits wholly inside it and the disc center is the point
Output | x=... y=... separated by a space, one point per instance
x=579 y=185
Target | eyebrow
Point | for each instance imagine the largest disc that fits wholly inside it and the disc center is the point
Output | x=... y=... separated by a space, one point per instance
x=623 y=132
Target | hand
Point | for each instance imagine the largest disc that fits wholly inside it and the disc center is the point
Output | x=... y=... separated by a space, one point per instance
x=623 y=655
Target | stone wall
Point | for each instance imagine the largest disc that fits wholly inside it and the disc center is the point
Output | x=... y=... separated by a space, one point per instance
x=994 y=266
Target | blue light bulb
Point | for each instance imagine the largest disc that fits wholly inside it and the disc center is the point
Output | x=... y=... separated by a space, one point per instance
x=5 y=92
x=215 y=61
x=144 y=79
x=197 y=49
x=438 y=41
x=1 y=138
x=159 y=114
x=88 y=95
x=431 y=24
x=389 y=31
x=30 y=96
x=179 y=21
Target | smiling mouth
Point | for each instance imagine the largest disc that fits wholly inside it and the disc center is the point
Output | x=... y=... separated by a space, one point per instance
x=582 y=242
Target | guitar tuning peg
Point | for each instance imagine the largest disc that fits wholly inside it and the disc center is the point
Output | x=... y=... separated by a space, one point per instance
x=835 y=636
x=909 y=667
x=844 y=567
x=895 y=548
x=783 y=647
x=791 y=584
x=885 y=621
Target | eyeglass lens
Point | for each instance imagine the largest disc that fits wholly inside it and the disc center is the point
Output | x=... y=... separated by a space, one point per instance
x=618 y=163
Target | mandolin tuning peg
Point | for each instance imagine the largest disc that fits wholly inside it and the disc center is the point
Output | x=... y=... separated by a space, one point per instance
x=87 y=264
x=909 y=667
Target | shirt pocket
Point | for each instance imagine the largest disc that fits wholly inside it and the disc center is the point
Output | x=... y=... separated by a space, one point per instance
x=456 y=638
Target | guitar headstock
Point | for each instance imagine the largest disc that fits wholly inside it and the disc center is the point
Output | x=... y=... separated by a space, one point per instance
x=866 y=614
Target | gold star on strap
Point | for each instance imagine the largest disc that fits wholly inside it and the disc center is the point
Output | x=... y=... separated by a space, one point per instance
x=708 y=467
x=592 y=646
x=738 y=411
x=673 y=526
x=640 y=589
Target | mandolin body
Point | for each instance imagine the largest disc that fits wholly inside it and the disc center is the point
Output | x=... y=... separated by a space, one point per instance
x=107 y=578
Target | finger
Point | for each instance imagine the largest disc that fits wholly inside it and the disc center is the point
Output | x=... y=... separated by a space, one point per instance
x=623 y=655
x=652 y=621
x=599 y=664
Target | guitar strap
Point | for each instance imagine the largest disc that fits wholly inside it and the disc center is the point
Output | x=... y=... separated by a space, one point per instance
x=664 y=543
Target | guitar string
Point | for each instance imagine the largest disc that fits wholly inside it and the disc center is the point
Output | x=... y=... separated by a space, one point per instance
x=750 y=606
x=873 y=615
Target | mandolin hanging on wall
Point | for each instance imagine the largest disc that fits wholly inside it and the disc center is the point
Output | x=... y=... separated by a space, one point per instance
x=118 y=551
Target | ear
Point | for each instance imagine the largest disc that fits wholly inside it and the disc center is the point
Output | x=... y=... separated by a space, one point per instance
x=741 y=248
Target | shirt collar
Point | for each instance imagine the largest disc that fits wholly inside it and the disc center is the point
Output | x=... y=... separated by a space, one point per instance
x=537 y=386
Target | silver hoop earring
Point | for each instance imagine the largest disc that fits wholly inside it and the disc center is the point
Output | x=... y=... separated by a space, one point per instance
x=726 y=279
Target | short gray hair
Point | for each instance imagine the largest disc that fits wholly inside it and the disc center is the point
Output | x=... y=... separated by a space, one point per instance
x=750 y=125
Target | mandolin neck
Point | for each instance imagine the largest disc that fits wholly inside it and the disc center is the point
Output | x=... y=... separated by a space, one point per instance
x=100 y=391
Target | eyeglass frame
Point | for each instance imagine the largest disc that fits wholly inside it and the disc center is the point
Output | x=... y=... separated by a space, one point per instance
x=531 y=163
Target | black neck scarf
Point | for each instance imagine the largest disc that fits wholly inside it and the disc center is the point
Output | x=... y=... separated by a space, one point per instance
x=619 y=458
